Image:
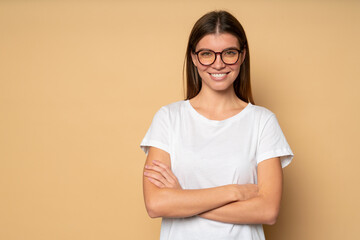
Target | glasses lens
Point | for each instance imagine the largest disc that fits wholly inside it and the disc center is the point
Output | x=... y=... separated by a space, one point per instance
x=206 y=57
x=230 y=56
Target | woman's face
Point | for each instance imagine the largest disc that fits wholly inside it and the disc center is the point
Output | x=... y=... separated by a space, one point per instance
x=218 y=76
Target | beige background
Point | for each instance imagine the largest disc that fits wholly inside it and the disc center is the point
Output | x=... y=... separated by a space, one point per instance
x=80 y=82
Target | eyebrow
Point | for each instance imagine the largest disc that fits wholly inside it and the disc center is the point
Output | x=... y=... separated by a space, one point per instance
x=229 y=48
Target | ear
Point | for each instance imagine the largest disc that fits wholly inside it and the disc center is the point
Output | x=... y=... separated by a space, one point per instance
x=194 y=59
x=243 y=55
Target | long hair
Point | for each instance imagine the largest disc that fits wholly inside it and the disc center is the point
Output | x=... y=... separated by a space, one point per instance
x=211 y=23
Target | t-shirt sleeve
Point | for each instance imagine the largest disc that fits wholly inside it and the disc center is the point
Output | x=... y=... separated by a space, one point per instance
x=272 y=143
x=158 y=132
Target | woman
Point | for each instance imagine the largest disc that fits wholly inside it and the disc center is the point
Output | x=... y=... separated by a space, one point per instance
x=214 y=160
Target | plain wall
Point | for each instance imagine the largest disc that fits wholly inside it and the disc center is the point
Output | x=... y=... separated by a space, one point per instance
x=80 y=82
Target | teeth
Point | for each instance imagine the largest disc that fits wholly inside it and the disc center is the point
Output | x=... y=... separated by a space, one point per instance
x=218 y=75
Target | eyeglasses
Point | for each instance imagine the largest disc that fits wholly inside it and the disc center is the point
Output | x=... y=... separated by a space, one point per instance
x=229 y=56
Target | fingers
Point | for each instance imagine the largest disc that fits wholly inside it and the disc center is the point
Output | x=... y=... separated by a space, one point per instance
x=162 y=171
x=156 y=183
x=162 y=175
x=156 y=177
x=166 y=168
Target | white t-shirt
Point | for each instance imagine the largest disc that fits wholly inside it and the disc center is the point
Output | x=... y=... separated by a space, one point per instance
x=209 y=153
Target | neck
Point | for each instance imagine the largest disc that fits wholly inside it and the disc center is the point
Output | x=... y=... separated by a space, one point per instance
x=217 y=101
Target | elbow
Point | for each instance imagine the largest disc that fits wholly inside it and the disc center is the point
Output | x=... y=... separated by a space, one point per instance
x=271 y=216
x=156 y=205
x=152 y=214
x=271 y=221
x=152 y=209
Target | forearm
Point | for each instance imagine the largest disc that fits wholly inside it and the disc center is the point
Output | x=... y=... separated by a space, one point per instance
x=164 y=196
x=262 y=209
x=257 y=210
x=177 y=203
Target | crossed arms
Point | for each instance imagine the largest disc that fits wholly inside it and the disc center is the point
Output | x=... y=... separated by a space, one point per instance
x=233 y=203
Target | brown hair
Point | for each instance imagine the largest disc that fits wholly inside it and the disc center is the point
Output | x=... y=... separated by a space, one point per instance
x=210 y=23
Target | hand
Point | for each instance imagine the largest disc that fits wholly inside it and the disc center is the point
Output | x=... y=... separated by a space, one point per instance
x=242 y=192
x=161 y=175
x=246 y=191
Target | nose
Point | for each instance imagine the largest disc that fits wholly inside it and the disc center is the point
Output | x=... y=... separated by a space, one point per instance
x=218 y=64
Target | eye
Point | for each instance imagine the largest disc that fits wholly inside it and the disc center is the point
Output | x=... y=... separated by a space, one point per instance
x=205 y=54
x=230 y=53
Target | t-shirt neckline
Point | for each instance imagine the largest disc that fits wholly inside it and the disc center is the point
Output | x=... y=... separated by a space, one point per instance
x=217 y=122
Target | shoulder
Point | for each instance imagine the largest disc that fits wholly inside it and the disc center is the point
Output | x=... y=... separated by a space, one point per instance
x=171 y=110
x=265 y=118
x=174 y=107
x=261 y=112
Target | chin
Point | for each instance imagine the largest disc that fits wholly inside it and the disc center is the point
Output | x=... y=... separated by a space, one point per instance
x=219 y=87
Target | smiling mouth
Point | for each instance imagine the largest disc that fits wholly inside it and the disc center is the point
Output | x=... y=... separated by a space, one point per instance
x=218 y=75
